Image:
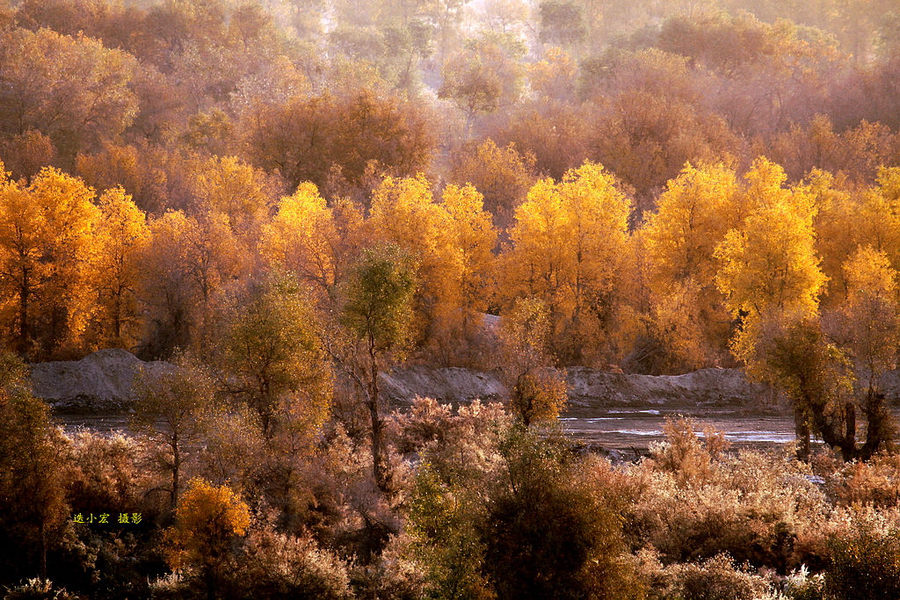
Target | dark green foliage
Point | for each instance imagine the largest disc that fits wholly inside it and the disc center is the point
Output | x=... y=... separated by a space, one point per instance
x=378 y=315
x=379 y=297
x=547 y=534
x=529 y=525
x=31 y=476
x=864 y=564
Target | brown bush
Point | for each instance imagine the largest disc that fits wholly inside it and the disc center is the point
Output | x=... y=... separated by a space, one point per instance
x=875 y=482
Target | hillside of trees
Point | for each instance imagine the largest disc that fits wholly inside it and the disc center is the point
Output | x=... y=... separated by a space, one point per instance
x=283 y=198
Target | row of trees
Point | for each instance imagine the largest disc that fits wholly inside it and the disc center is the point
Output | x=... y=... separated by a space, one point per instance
x=728 y=266
x=479 y=506
x=126 y=95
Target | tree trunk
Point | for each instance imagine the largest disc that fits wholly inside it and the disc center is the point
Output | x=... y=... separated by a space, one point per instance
x=23 y=313
x=43 y=550
x=879 y=427
x=850 y=422
x=831 y=433
x=801 y=427
x=378 y=466
x=176 y=470
x=117 y=319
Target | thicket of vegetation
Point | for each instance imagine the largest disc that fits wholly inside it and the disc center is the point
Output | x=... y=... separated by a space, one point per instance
x=284 y=198
x=476 y=505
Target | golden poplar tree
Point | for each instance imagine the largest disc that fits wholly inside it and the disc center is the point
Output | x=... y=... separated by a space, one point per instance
x=473 y=237
x=879 y=215
x=187 y=263
x=47 y=250
x=568 y=243
x=536 y=263
x=122 y=236
x=838 y=224
x=404 y=213
x=769 y=261
x=693 y=215
x=770 y=276
x=236 y=189
x=303 y=238
x=207 y=522
x=871 y=313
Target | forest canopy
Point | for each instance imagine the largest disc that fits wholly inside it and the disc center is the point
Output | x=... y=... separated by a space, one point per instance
x=282 y=199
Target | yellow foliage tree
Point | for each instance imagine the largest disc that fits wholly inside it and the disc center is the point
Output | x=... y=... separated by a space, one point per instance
x=871 y=313
x=769 y=261
x=47 y=249
x=228 y=186
x=598 y=220
x=404 y=213
x=837 y=223
x=122 y=236
x=207 y=521
x=879 y=215
x=693 y=215
x=848 y=218
x=473 y=237
x=303 y=238
x=187 y=261
x=535 y=265
x=568 y=243
x=769 y=274
x=501 y=174
x=871 y=320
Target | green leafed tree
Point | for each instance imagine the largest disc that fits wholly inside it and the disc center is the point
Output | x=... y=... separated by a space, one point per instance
x=169 y=402
x=31 y=475
x=377 y=316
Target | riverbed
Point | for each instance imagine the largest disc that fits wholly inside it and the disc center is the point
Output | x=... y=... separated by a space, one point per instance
x=625 y=429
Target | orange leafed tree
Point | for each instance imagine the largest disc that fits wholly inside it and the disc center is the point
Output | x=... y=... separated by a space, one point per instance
x=303 y=238
x=694 y=213
x=207 y=521
x=568 y=242
x=122 y=236
x=47 y=251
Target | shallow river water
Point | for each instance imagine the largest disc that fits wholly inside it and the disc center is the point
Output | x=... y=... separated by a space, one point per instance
x=637 y=428
x=615 y=428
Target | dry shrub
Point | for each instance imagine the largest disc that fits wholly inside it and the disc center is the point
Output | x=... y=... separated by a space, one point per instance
x=716 y=579
x=464 y=442
x=275 y=565
x=618 y=486
x=800 y=585
x=174 y=586
x=397 y=575
x=695 y=502
x=695 y=524
x=426 y=422
x=864 y=557
x=875 y=482
x=107 y=473
x=37 y=589
x=685 y=455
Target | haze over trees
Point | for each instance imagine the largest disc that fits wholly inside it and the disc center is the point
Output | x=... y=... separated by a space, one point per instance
x=283 y=198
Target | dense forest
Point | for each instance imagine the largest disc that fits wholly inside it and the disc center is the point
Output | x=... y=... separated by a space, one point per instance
x=283 y=198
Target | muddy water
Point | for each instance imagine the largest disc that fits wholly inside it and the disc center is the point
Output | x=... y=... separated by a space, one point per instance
x=626 y=429
x=615 y=428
